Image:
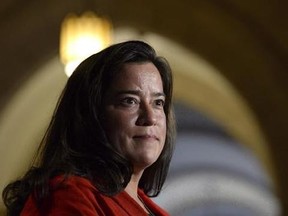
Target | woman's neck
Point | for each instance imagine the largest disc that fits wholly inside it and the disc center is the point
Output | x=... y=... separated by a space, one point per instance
x=132 y=189
x=132 y=186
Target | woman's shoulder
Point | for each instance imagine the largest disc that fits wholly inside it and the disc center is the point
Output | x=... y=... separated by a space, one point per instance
x=69 y=195
x=75 y=186
x=62 y=181
x=70 y=184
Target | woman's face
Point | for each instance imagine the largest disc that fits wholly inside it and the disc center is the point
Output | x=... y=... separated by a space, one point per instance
x=134 y=118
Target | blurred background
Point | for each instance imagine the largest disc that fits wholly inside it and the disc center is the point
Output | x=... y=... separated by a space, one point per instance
x=230 y=66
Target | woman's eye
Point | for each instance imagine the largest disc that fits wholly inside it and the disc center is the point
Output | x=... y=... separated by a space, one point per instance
x=128 y=101
x=160 y=102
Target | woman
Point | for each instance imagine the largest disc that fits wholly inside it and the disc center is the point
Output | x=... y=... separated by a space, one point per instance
x=110 y=140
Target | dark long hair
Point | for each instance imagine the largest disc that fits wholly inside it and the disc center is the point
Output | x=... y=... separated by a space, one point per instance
x=75 y=142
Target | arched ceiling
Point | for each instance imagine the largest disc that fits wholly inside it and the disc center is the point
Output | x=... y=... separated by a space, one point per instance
x=245 y=40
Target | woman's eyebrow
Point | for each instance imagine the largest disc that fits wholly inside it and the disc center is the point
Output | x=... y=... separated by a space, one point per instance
x=134 y=92
x=138 y=92
x=159 y=94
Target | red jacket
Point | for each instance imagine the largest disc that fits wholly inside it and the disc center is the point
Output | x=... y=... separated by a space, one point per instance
x=77 y=196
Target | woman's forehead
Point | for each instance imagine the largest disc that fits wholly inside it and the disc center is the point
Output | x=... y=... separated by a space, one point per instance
x=138 y=74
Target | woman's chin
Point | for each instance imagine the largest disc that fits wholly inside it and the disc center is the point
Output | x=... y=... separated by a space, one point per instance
x=144 y=161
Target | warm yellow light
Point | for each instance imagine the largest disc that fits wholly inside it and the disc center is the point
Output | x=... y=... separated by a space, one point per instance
x=81 y=37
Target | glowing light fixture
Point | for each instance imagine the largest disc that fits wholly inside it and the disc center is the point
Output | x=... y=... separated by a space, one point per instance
x=82 y=36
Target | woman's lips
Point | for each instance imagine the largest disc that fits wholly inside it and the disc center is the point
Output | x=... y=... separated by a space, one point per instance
x=146 y=136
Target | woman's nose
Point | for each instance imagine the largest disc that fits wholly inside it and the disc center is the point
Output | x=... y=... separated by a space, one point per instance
x=147 y=116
